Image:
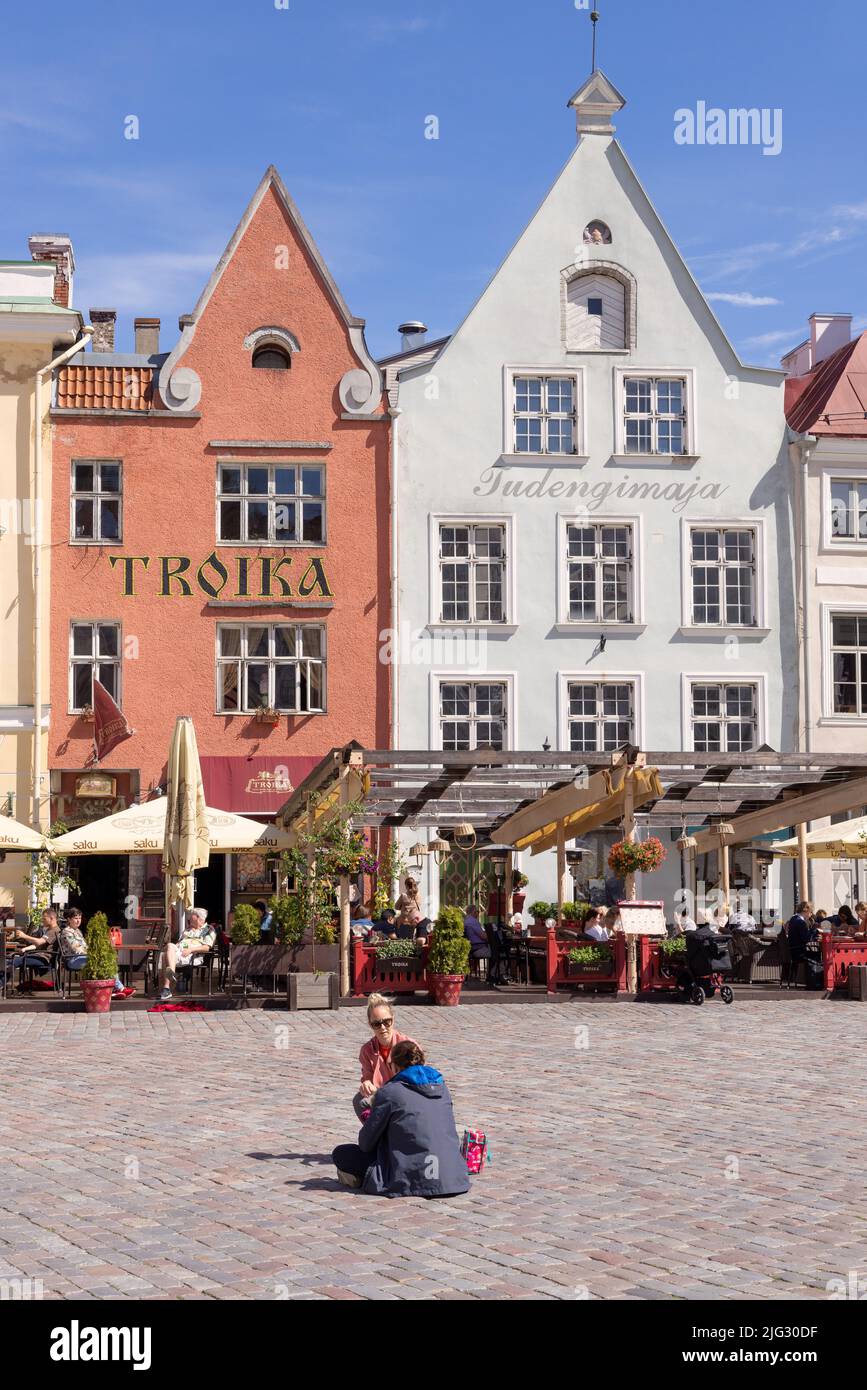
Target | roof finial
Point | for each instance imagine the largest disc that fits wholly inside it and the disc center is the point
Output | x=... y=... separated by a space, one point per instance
x=594 y=20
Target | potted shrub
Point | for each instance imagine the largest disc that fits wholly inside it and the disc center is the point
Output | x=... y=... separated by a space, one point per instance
x=590 y=960
x=519 y=883
x=268 y=716
x=541 y=912
x=672 y=954
x=448 y=957
x=100 y=971
x=245 y=925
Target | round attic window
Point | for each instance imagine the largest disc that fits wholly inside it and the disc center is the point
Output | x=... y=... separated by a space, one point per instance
x=597 y=234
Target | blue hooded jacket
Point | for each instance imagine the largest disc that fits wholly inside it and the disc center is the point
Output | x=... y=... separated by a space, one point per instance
x=411 y=1134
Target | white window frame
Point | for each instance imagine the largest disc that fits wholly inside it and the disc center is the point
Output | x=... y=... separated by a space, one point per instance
x=725 y=523
x=477 y=677
x=829 y=716
x=576 y=375
x=830 y=544
x=435 y=621
x=93 y=661
x=691 y=678
x=687 y=376
x=269 y=660
x=270 y=464
x=590 y=676
x=95 y=494
x=567 y=624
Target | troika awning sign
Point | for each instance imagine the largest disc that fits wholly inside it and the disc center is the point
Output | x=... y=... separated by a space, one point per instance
x=237 y=576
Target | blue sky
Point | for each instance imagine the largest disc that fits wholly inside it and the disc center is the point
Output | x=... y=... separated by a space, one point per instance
x=335 y=93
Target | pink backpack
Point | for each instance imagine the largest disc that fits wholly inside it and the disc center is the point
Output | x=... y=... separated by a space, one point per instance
x=474 y=1147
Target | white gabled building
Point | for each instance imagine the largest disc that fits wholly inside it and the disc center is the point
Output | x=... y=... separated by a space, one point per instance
x=591 y=487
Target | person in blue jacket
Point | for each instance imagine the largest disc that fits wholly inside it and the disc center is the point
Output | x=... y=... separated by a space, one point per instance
x=408 y=1147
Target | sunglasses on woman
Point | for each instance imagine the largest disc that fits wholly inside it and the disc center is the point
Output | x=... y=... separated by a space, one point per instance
x=382 y=1022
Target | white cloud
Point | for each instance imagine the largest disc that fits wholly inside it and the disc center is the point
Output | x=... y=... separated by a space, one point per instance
x=744 y=300
x=782 y=335
x=145 y=281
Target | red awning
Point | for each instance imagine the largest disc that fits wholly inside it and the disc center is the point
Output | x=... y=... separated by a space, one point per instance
x=256 y=786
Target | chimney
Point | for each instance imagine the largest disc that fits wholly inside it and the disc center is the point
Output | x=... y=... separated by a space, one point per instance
x=828 y=332
x=53 y=246
x=147 y=337
x=412 y=335
x=104 y=321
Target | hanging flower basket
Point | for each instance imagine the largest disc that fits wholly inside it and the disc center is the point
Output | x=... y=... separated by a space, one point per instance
x=634 y=856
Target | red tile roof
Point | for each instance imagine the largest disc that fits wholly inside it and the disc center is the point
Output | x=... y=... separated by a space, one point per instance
x=832 y=398
x=105 y=388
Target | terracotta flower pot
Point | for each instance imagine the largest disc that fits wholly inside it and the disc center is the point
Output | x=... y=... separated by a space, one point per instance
x=97 y=995
x=446 y=989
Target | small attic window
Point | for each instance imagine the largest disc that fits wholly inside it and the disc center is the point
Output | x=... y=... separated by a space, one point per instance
x=272 y=358
x=597 y=233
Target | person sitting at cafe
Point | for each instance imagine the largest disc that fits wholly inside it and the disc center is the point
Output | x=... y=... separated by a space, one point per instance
x=801 y=932
x=196 y=941
x=266 y=921
x=611 y=921
x=843 y=922
x=73 y=950
x=741 y=920
x=476 y=934
x=38 y=950
x=685 y=922
x=592 y=925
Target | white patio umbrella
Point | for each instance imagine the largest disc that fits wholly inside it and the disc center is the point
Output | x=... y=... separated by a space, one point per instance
x=141 y=830
x=848 y=840
x=186 y=845
x=14 y=835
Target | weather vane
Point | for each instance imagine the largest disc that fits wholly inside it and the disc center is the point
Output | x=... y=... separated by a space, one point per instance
x=594 y=20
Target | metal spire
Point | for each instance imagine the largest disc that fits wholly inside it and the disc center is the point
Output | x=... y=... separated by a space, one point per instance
x=594 y=19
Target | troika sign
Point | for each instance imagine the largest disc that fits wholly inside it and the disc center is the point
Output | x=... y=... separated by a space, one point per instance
x=238 y=576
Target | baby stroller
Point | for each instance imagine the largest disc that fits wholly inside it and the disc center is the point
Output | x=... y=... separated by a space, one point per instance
x=707 y=959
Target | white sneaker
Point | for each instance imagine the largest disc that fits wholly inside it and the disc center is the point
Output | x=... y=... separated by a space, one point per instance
x=348 y=1179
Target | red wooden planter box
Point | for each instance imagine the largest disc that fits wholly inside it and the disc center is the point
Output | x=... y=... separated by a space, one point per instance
x=650 y=962
x=560 y=970
x=370 y=978
x=837 y=956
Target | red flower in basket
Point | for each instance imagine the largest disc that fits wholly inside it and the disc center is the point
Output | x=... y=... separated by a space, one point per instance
x=634 y=856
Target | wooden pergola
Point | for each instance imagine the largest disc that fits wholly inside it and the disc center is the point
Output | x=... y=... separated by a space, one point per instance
x=535 y=799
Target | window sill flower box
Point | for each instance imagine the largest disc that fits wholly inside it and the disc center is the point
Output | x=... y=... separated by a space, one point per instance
x=268 y=716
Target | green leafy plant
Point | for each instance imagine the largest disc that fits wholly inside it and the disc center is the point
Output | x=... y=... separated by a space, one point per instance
x=542 y=910
x=672 y=945
x=589 y=955
x=245 y=925
x=519 y=880
x=324 y=934
x=396 y=950
x=323 y=853
x=288 y=920
x=574 y=912
x=450 y=950
x=392 y=868
x=101 y=955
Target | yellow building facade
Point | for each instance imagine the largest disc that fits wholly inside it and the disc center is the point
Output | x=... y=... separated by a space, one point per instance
x=36 y=324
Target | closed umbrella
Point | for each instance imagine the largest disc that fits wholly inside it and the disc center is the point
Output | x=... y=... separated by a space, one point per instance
x=186 y=846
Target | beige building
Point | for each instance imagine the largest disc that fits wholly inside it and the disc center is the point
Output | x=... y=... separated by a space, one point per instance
x=826 y=411
x=36 y=324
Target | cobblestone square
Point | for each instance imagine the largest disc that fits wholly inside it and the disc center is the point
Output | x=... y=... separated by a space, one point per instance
x=639 y=1151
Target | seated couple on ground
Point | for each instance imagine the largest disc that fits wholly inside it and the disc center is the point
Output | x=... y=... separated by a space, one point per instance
x=408 y=1145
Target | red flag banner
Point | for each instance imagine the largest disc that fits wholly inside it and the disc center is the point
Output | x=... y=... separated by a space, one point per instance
x=109 y=723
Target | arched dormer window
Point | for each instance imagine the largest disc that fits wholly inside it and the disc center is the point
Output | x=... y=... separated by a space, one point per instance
x=598 y=307
x=597 y=233
x=276 y=359
x=273 y=348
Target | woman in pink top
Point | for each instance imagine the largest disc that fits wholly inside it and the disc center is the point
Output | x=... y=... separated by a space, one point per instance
x=375 y=1055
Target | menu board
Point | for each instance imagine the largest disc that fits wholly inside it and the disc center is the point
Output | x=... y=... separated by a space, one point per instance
x=642 y=918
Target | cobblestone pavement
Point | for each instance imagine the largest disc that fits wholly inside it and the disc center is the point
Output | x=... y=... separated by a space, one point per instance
x=640 y=1151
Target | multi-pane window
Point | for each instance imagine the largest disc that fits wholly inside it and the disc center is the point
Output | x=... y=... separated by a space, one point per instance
x=849 y=662
x=94 y=654
x=724 y=717
x=723 y=577
x=271 y=503
x=473 y=715
x=849 y=509
x=655 y=415
x=96 y=500
x=601 y=715
x=473 y=573
x=545 y=414
x=270 y=666
x=599 y=560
